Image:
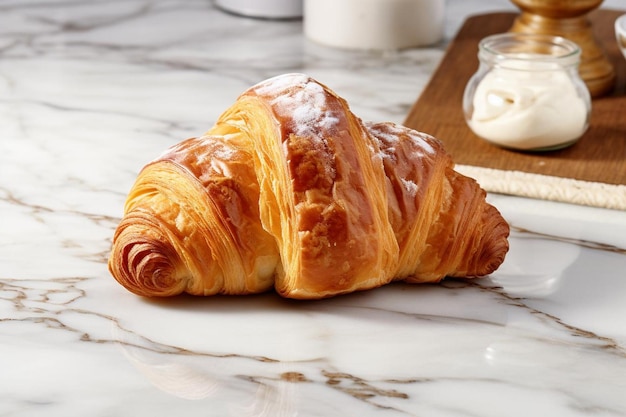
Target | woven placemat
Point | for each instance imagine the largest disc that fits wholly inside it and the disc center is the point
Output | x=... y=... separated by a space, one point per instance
x=591 y=172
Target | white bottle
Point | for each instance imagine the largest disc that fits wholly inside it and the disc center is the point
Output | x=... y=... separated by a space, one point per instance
x=374 y=24
x=265 y=9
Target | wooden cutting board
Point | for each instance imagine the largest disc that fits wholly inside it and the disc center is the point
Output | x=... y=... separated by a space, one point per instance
x=591 y=172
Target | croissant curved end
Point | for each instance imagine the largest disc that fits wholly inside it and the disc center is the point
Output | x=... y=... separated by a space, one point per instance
x=143 y=264
x=494 y=251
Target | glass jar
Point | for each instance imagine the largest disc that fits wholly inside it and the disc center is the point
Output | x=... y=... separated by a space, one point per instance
x=527 y=93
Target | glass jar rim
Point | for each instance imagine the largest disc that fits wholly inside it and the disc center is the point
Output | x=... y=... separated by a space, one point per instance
x=526 y=47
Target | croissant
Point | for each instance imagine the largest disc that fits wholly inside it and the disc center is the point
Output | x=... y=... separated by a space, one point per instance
x=290 y=190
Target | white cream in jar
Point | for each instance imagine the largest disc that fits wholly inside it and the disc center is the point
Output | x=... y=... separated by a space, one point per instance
x=528 y=100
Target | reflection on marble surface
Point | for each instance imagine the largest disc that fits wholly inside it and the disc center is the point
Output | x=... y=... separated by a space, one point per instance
x=91 y=91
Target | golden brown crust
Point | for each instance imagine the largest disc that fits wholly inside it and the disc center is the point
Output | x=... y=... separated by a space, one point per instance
x=443 y=225
x=290 y=189
x=192 y=225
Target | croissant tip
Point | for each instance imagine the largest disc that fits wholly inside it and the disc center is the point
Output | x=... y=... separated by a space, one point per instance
x=143 y=264
x=496 y=252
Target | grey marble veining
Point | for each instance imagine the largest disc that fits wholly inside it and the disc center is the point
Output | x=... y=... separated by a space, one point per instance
x=92 y=91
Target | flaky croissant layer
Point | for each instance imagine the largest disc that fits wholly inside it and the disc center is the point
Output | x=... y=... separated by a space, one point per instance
x=290 y=190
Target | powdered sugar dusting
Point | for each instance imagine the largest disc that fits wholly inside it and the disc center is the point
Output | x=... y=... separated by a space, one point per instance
x=391 y=133
x=403 y=151
x=410 y=187
x=278 y=85
x=299 y=98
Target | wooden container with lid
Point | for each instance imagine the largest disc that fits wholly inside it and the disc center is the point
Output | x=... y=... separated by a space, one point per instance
x=569 y=19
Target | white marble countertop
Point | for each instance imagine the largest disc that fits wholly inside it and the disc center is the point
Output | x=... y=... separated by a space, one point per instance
x=91 y=91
